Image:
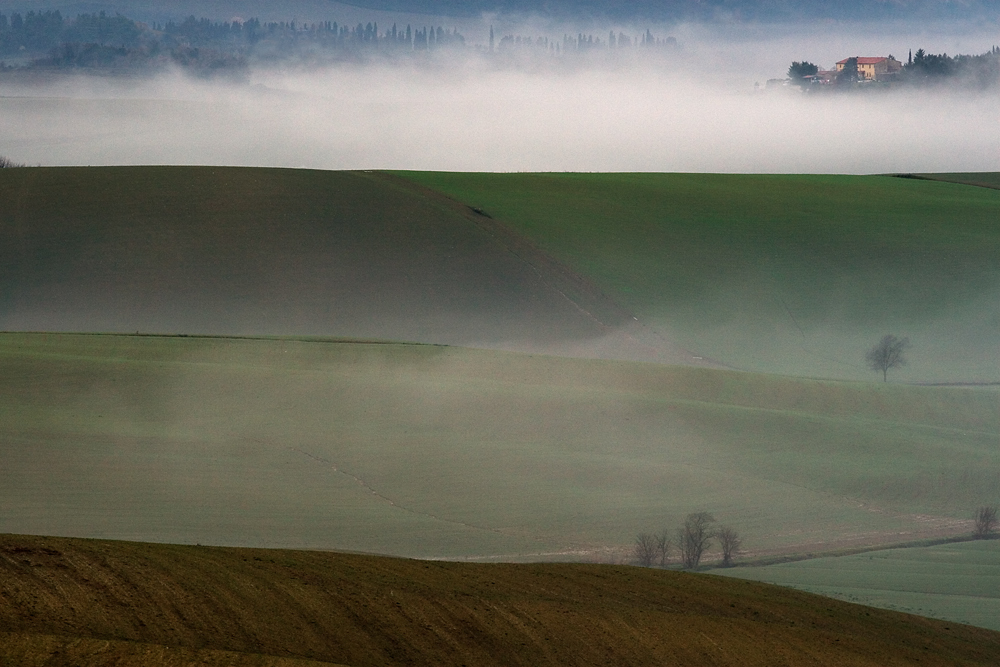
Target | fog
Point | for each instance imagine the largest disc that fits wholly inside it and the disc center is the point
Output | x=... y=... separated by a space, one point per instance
x=703 y=107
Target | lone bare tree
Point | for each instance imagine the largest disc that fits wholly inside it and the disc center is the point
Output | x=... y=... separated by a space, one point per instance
x=644 y=551
x=887 y=354
x=985 y=522
x=730 y=543
x=693 y=538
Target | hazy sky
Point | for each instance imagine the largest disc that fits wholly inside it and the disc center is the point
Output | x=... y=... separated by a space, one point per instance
x=695 y=111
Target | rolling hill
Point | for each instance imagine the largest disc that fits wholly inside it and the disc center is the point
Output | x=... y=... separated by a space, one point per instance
x=443 y=452
x=296 y=443
x=788 y=274
x=202 y=250
x=775 y=273
x=522 y=422
x=91 y=602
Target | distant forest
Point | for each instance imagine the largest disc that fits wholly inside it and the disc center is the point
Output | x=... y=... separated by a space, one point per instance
x=704 y=10
x=48 y=40
x=979 y=71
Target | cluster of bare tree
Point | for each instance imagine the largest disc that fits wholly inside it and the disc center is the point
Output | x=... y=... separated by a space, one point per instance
x=694 y=537
x=693 y=540
x=7 y=162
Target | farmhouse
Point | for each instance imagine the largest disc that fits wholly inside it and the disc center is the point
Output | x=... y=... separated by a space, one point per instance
x=874 y=68
x=822 y=77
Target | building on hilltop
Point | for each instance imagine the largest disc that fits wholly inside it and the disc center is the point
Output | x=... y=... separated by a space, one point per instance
x=822 y=77
x=874 y=68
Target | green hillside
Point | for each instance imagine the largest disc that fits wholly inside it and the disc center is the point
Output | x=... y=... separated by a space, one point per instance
x=786 y=274
x=294 y=439
x=789 y=274
x=447 y=452
x=278 y=252
x=90 y=602
x=954 y=582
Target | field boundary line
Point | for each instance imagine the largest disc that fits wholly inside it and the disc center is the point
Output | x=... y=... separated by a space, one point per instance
x=852 y=551
x=297 y=339
x=936 y=178
x=389 y=501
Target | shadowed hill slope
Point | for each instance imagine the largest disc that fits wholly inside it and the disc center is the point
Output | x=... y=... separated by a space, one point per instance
x=793 y=274
x=364 y=610
x=279 y=251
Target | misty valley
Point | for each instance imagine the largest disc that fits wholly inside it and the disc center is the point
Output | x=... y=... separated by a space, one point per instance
x=444 y=332
x=44 y=42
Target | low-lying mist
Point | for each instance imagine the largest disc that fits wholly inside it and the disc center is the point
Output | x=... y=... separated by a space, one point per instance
x=705 y=107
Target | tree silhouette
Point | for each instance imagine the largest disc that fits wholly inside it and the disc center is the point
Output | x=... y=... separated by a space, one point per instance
x=663 y=547
x=849 y=74
x=799 y=70
x=693 y=538
x=644 y=550
x=887 y=354
x=985 y=522
x=730 y=543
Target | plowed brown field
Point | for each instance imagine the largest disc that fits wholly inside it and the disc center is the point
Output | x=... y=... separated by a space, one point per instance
x=367 y=610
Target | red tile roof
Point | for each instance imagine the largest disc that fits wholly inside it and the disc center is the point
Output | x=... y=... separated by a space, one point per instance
x=864 y=61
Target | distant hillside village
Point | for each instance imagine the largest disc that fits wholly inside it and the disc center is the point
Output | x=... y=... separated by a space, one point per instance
x=921 y=68
x=46 y=41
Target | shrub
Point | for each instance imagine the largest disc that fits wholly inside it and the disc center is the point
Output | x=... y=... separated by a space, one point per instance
x=985 y=522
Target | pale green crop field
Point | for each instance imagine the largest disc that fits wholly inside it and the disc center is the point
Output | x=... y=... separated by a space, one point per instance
x=436 y=451
x=955 y=582
x=791 y=274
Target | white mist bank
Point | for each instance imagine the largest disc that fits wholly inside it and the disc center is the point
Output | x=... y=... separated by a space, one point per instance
x=468 y=116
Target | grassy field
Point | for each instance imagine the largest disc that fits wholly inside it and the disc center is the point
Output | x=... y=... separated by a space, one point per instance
x=90 y=602
x=458 y=453
x=955 y=582
x=786 y=273
x=445 y=452
x=272 y=251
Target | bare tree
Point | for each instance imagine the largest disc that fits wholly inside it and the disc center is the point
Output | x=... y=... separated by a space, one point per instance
x=986 y=522
x=663 y=547
x=693 y=538
x=644 y=550
x=887 y=354
x=7 y=162
x=730 y=543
